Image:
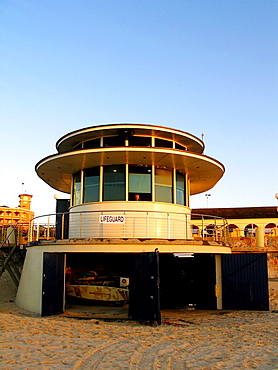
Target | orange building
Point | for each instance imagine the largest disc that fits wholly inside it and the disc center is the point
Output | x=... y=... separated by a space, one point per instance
x=19 y=216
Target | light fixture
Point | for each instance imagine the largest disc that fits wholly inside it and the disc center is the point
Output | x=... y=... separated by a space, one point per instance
x=183 y=255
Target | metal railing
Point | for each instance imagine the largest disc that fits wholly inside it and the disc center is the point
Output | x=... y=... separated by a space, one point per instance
x=128 y=224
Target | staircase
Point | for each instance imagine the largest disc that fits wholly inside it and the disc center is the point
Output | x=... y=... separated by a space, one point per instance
x=11 y=256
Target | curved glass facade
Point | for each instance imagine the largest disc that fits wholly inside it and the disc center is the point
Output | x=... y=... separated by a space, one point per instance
x=129 y=183
x=91 y=184
x=163 y=185
x=76 y=196
x=114 y=182
x=180 y=188
x=127 y=140
x=140 y=182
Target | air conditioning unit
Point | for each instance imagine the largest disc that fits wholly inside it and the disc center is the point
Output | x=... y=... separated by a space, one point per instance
x=124 y=282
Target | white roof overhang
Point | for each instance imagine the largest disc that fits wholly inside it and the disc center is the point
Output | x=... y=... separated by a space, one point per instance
x=204 y=172
x=67 y=142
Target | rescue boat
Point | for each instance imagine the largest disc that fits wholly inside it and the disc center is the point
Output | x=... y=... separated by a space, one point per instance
x=90 y=287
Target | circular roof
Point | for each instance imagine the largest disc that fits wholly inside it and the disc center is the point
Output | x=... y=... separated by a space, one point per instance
x=70 y=140
x=203 y=171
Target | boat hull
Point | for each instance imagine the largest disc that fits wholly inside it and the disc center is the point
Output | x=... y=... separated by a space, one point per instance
x=98 y=293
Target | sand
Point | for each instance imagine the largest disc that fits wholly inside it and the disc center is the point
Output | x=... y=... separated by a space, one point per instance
x=187 y=339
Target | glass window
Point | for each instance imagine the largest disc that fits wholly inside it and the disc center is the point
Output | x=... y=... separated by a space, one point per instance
x=78 y=146
x=113 y=141
x=95 y=143
x=140 y=141
x=161 y=143
x=91 y=185
x=179 y=146
x=77 y=188
x=140 y=182
x=180 y=188
x=163 y=185
x=114 y=183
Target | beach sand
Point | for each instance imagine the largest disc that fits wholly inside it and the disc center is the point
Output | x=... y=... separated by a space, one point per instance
x=187 y=339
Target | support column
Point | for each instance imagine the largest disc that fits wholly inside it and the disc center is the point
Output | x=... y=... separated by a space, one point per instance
x=260 y=237
x=218 y=282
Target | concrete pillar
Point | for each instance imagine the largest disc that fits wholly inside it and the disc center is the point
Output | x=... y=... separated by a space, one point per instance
x=260 y=237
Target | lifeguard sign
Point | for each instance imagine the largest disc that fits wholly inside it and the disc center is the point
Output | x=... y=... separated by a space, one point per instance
x=111 y=219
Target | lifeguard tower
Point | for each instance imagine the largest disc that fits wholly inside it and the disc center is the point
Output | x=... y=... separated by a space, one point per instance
x=129 y=215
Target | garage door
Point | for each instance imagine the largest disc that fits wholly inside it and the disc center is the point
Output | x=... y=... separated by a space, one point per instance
x=245 y=281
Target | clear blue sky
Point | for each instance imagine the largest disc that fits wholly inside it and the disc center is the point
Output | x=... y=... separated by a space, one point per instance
x=200 y=66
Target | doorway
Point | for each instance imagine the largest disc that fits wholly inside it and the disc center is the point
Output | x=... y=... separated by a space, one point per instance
x=91 y=277
x=53 y=284
x=174 y=281
x=187 y=280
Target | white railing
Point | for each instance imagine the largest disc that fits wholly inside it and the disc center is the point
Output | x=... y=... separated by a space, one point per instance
x=128 y=224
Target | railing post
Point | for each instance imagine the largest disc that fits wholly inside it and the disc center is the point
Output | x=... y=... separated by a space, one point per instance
x=168 y=226
x=80 y=225
x=63 y=225
x=124 y=227
x=225 y=231
x=30 y=231
x=203 y=230
x=48 y=228
x=148 y=225
x=102 y=225
x=38 y=231
x=187 y=231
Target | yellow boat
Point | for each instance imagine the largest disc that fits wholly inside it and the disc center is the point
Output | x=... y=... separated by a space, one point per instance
x=115 y=295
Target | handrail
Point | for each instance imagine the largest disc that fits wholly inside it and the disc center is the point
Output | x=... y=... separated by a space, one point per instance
x=211 y=229
x=172 y=225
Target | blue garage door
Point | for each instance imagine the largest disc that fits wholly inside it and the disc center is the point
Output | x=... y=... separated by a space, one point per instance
x=245 y=281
